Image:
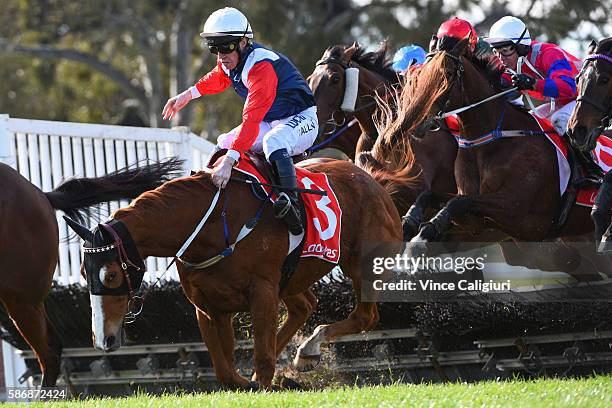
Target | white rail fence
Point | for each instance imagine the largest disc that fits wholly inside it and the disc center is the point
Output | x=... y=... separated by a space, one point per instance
x=47 y=152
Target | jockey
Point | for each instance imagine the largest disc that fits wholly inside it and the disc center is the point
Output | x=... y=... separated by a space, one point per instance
x=408 y=57
x=548 y=72
x=457 y=29
x=279 y=117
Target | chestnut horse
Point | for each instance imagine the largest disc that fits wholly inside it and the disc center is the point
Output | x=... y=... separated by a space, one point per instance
x=158 y=222
x=591 y=116
x=328 y=83
x=512 y=183
x=29 y=244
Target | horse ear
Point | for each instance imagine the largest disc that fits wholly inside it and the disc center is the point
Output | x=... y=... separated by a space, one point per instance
x=348 y=53
x=592 y=47
x=81 y=230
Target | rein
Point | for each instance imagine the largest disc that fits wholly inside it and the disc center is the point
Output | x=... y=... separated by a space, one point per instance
x=495 y=134
x=607 y=111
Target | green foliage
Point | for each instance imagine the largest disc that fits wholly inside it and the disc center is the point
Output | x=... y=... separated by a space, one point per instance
x=134 y=39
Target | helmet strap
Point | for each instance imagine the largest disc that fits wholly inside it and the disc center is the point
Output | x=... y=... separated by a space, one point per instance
x=521 y=49
x=244 y=35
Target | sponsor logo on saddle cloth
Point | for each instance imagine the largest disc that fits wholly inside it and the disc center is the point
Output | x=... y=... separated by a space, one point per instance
x=323 y=213
x=602 y=154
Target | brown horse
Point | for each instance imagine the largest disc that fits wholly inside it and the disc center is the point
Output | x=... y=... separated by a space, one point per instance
x=512 y=183
x=29 y=244
x=592 y=114
x=158 y=222
x=328 y=83
x=593 y=111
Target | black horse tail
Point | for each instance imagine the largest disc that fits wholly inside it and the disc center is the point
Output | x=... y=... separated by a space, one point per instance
x=75 y=196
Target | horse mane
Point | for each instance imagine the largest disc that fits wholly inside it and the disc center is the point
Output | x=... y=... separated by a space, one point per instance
x=376 y=61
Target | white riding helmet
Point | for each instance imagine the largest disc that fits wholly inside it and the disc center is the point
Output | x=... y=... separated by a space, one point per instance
x=227 y=22
x=509 y=30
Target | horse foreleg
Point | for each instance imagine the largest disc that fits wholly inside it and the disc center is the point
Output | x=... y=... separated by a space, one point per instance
x=441 y=222
x=217 y=333
x=38 y=332
x=600 y=214
x=264 y=315
x=414 y=217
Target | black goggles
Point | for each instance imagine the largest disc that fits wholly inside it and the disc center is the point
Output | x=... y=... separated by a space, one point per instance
x=506 y=50
x=226 y=48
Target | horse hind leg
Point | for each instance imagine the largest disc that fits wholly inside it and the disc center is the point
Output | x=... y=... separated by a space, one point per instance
x=299 y=308
x=363 y=318
x=39 y=333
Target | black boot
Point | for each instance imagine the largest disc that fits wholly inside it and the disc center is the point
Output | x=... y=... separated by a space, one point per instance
x=286 y=206
x=601 y=215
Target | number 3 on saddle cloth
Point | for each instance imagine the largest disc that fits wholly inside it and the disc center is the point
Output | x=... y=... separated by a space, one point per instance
x=323 y=215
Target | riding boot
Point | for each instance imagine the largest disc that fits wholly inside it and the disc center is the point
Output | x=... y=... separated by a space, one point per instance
x=601 y=216
x=287 y=204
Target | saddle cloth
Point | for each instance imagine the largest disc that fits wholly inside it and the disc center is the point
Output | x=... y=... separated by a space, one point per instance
x=323 y=213
x=602 y=155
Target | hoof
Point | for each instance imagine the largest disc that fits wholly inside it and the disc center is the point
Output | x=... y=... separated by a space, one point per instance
x=289 y=384
x=306 y=363
x=253 y=386
x=605 y=246
x=416 y=247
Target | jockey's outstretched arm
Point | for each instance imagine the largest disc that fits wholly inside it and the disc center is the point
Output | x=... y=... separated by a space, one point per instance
x=214 y=82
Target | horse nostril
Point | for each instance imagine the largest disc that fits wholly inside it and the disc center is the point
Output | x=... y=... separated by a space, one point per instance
x=109 y=342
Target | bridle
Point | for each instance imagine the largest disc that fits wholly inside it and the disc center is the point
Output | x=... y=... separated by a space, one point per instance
x=433 y=123
x=333 y=121
x=128 y=267
x=606 y=120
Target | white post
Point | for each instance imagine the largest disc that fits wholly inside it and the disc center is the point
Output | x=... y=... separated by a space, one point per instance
x=14 y=365
x=7 y=155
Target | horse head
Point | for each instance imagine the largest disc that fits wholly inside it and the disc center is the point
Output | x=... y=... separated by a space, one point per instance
x=441 y=85
x=593 y=112
x=114 y=271
x=342 y=81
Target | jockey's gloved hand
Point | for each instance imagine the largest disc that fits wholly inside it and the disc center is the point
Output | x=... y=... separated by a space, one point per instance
x=176 y=103
x=222 y=171
x=523 y=82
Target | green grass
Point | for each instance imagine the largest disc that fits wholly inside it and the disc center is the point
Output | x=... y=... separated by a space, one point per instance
x=588 y=392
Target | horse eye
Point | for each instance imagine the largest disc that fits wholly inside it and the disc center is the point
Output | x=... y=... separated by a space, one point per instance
x=604 y=80
x=335 y=79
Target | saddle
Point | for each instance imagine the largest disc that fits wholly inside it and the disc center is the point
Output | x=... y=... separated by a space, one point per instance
x=585 y=173
x=266 y=170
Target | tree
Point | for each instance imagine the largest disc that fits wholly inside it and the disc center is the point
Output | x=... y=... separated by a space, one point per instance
x=118 y=61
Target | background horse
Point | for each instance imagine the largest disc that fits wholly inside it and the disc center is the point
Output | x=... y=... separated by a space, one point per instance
x=158 y=223
x=328 y=83
x=29 y=244
x=511 y=184
x=592 y=114
x=593 y=111
x=404 y=167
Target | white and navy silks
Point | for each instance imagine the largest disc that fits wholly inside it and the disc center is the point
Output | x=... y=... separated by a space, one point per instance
x=279 y=111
